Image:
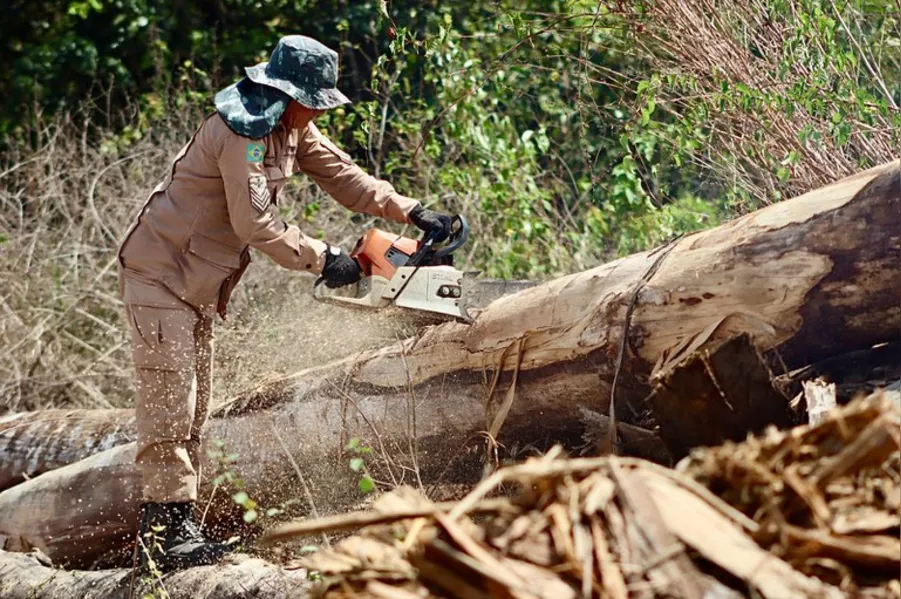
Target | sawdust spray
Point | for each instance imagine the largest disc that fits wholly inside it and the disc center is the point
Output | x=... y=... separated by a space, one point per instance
x=275 y=328
x=278 y=330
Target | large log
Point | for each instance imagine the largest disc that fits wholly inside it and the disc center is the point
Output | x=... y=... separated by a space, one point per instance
x=810 y=277
x=85 y=514
x=25 y=577
x=35 y=442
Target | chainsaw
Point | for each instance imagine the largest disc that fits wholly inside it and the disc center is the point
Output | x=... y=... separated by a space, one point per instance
x=416 y=274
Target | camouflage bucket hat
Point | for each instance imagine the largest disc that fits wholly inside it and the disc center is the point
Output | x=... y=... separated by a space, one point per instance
x=300 y=68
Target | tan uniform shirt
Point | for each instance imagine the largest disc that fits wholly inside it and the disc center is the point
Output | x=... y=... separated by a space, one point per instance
x=193 y=235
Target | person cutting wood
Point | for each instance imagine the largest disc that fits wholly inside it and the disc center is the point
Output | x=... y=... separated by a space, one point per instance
x=190 y=244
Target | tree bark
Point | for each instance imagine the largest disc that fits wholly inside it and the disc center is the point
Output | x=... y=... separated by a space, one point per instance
x=35 y=442
x=24 y=577
x=807 y=278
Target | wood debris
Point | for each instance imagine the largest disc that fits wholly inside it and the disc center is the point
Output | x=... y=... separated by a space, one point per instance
x=826 y=497
x=811 y=512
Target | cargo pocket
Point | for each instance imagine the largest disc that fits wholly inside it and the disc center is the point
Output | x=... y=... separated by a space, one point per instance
x=206 y=265
x=162 y=338
x=163 y=350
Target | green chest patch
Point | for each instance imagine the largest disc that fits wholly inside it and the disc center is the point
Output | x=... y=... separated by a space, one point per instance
x=255 y=152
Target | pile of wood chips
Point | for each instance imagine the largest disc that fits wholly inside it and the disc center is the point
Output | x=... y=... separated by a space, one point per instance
x=812 y=512
x=824 y=498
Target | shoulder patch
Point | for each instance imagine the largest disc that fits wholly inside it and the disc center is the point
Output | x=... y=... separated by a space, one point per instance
x=255 y=152
x=259 y=193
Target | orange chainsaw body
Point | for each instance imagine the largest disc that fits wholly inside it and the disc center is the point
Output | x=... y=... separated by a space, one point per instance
x=406 y=273
x=380 y=253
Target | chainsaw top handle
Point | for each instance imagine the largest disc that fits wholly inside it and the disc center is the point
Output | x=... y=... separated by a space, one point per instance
x=427 y=254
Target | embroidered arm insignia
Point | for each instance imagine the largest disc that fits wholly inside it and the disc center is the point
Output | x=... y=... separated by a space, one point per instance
x=259 y=193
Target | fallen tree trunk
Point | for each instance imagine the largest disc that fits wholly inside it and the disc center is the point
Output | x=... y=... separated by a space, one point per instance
x=36 y=442
x=85 y=514
x=809 y=277
x=24 y=577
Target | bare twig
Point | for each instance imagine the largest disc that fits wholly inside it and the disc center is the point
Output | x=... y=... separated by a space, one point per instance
x=412 y=444
x=375 y=432
x=355 y=520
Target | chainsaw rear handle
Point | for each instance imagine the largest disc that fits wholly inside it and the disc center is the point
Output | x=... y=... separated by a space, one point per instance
x=458 y=236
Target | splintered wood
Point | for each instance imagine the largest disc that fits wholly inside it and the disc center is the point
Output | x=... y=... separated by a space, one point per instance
x=812 y=512
x=826 y=498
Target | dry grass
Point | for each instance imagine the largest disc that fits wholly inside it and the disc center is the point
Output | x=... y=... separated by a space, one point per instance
x=767 y=62
x=65 y=203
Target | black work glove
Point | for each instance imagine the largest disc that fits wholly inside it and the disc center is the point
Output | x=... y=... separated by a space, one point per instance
x=432 y=222
x=340 y=269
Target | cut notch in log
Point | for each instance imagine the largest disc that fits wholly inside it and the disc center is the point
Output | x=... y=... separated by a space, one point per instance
x=717 y=394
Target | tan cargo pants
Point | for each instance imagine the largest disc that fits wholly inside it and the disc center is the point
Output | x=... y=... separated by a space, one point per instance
x=173 y=353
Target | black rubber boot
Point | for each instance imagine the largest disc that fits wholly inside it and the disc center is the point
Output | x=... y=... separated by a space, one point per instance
x=171 y=537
